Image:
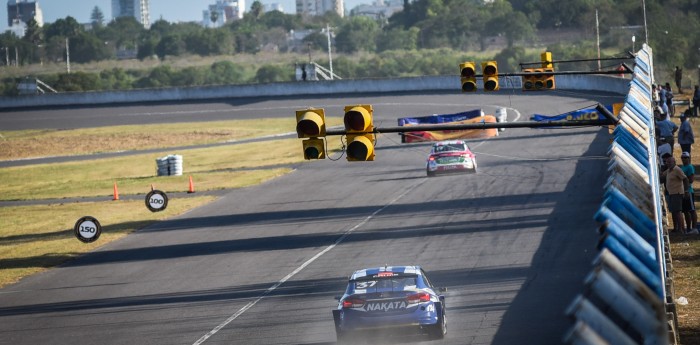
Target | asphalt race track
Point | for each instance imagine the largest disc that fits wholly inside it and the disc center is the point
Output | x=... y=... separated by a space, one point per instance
x=262 y=265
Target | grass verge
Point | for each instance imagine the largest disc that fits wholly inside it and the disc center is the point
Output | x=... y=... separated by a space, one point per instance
x=35 y=238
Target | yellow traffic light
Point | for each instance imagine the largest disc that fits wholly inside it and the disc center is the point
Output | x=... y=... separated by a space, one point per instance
x=547 y=61
x=359 y=126
x=548 y=79
x=490 y=71
x=314 y=148
x=311 y=123
x=529 y=81
x=467 y=71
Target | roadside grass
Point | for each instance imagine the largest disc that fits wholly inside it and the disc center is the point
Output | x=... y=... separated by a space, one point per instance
x=43 y=143
x=37 y=237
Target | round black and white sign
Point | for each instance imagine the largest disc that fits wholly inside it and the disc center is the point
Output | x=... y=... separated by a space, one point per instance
x=87 y=229
x=156 y=201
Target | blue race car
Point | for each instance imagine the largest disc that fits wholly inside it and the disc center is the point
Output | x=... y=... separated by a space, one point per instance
x=391 y=297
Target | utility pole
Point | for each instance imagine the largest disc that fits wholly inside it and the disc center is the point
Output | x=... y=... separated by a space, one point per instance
x=597 y=35
x=16 y=57
x=330 y=57
x=67 y=56
x=646 y=33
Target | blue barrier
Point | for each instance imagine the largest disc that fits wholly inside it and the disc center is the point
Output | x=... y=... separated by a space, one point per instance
x=628 y=282
x=627 y=236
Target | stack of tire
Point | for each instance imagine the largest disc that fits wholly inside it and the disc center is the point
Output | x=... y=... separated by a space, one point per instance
x=170 y=165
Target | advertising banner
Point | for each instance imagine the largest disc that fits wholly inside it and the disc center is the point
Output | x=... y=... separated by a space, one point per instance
x=467 y=117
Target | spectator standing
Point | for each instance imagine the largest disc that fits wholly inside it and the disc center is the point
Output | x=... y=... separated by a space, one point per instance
x=686 y=138
x=662 y=99
x=696 y=100
x=689 y=213
x=666 y=128
x=677 y=186
x=669 y=101
x=663 y=149
x=655 y=94
x=679 y=79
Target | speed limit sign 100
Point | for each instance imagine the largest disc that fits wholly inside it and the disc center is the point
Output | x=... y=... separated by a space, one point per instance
x=156 y=201
x=87 y=229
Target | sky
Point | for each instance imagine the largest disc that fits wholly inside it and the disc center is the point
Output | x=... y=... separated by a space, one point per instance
x=169 y=10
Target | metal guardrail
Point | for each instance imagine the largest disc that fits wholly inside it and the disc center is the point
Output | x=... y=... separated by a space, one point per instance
x=627 y=297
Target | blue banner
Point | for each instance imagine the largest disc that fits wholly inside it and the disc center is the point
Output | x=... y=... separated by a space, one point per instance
x=579 y=115
x=443 y=118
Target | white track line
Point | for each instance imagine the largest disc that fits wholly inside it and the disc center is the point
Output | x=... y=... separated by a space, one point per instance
x=298 y=269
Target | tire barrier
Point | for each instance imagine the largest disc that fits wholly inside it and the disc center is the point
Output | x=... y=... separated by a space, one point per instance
x=170 y=165
x=628 y=295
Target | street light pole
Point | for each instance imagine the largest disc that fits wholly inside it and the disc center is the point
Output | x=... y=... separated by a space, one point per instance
x=330 y=57
x=67 y=56
x=646 y=33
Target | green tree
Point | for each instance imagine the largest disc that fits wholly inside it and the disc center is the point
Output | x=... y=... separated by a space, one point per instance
x=68 y=27
x=256 y=9
x=398 y=38
x=97 y=18
x=86 y=47
x=171 y=45
x=274 y=73
x=358 y=34
x=225 y=72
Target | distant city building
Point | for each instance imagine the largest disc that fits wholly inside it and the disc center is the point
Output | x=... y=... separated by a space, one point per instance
x=380 y=9
x=273 y=7
x=222 y=12
x=320 y=7
x=24 y=11
x=139 y=9
x=18 y=28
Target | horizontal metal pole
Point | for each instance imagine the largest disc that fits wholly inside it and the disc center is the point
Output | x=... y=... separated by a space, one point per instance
x=481 y=125
x=629 y=57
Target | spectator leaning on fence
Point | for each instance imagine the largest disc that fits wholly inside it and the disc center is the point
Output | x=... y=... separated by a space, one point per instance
x=686 y=138
x=677 y=185
x=665 y=126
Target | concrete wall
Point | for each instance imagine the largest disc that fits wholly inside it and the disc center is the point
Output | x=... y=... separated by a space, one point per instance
x=344 y=86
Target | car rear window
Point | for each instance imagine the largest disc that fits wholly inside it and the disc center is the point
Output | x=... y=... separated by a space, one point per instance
x=450 y=147
x=384 y=284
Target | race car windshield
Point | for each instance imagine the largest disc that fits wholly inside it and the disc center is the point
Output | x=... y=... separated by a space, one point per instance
x=384 y=284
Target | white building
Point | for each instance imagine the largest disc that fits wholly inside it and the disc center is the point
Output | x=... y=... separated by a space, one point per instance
x=222 y=12
x=320 y=7
x=24 y=11
x=273 y=7
x=18 y=28
x=139 y=9
x=380 y=9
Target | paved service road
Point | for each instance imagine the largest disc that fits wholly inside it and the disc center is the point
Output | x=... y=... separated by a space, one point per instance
x=262 y=265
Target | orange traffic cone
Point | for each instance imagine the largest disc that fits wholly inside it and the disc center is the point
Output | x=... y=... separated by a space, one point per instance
x=191 y=190
x=116 y=192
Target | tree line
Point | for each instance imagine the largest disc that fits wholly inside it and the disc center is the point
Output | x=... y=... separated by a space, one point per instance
x=428 y=37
